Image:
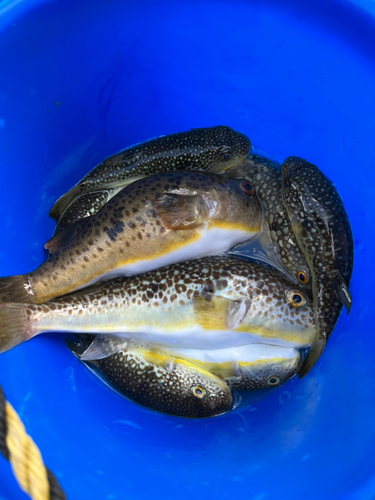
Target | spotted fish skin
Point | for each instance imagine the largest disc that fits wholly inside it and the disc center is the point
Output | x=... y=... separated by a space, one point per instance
x=147 y=375
x=247 y=367
x=265 y=175
x=212 y=149
x=85 y=206
x=323 y=232
x=210 y=302
x=151 y=223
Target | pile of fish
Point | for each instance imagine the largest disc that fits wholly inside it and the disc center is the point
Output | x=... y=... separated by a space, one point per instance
x=140 y=271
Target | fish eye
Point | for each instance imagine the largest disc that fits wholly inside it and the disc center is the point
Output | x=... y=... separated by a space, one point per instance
x=247 y=187
x=226 y=153
x=273 y=380
x=296 y=298
x=198 y=391
x=302 y=277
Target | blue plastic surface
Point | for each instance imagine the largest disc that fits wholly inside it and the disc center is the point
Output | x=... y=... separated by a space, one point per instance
x=80 y=80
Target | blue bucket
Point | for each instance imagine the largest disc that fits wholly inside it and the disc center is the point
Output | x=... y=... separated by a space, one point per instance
x=83 y=79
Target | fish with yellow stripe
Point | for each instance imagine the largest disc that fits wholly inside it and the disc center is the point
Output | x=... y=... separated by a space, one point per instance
x=209 y=149
x=153 y=378
x=151 y=223
x=212 y=302
x=191 y=383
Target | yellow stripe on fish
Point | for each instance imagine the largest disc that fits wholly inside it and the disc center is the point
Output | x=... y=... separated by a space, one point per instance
x=248 y=367
x=168 y=384
x=213 y=302
x=211 y=149
x=154 y=222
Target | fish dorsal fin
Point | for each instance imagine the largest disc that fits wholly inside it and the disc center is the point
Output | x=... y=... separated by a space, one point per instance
x=104 y=346
x=220 y=313
x=65 y=235
x=181 y=211
x=63 y=202
x=342 y=292
x=237 y=311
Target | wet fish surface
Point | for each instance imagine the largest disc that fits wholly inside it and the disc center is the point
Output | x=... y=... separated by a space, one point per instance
x=211 y=149
x=212 y=302
x=246 y=368
x=249 y=367
x=86 y=205
x=156 y=221
x=322 y=229
x=159 y=381
x=265 y=175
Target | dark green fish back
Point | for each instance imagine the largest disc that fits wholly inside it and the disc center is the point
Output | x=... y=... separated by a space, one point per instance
x=166 y=386
x=324 y=234
x=151 y=387
x=84 y=206
x=323 y=199
x=265 y=175
x=208 y=149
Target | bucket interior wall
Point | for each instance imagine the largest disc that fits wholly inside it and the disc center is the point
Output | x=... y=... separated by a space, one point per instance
x=81 y=80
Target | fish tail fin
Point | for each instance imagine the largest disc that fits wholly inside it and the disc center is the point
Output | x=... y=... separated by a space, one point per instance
x=15 y=325
x=63 y=202
x=312 y=357
x=16 y=289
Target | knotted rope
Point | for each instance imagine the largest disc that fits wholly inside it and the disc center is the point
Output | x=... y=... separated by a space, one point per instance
x=25 y=458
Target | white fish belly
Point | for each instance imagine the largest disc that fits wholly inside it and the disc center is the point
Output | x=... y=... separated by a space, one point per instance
x=169 y=325
x=211 y=242
x=245 y=354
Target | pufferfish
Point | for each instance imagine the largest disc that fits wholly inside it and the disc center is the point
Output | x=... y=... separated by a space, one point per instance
x=212 y=302
x=210 y=149
x=277 y=238
x=151 y=223
x=322 y=230
x=185 y=382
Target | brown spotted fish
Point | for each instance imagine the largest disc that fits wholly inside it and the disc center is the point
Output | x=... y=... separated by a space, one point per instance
x=324 y=235
x=212 y=149
x=246 y=368
x=153 y=378
x=278 y=239
x=156 y=221
x=212 y=302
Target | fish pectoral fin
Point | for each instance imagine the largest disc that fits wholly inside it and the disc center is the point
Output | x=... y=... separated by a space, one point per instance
x=312 y=356
x=104 y=346
x=229 y=369
x=219 y=313
x=181 y=211
x=342 y=292
x=162 y=359
x=237 y=311
x=65 y=235
x=157 y=358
